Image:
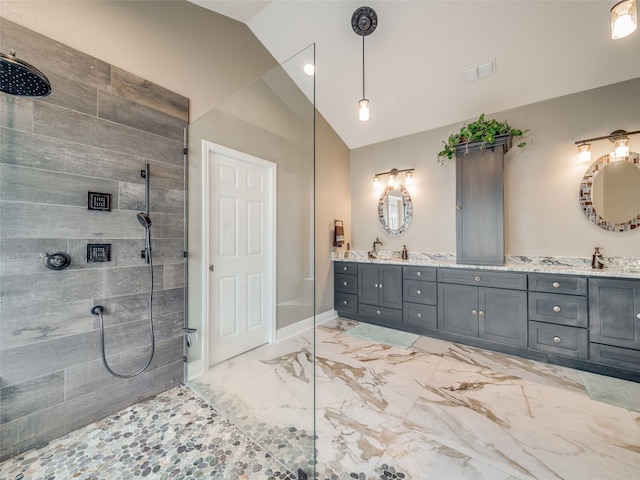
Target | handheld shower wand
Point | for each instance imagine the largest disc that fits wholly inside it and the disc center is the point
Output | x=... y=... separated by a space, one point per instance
x=145 y=221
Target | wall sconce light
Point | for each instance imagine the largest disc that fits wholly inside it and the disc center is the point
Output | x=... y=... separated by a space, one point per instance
x=624 y=19
x=392 y=181
x=364 y=22
x=584 y=152
x=620 y=139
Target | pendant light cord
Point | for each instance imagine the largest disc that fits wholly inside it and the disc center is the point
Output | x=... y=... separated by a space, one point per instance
x=363 y=96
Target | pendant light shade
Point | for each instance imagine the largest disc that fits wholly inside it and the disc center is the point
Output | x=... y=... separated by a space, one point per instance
x=624 y=19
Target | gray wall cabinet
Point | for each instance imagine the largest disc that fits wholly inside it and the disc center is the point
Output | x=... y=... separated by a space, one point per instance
x=586 y=322
x=480 y=207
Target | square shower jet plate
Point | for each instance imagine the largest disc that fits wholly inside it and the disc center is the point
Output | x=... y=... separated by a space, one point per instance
x=99 y=201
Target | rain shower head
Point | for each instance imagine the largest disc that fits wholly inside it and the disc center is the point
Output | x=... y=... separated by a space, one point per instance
x=144 y=219
x=20 y=78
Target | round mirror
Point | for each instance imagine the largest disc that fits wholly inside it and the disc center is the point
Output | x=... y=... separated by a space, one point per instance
x=395 y=210
x=610 y=193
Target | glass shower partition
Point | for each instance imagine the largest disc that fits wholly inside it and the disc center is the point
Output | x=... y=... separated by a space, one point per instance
x=268 y=391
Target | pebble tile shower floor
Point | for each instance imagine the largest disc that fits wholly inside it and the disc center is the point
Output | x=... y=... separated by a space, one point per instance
x=175 y=435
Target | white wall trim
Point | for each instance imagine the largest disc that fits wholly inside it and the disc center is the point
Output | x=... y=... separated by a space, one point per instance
x=304 y=325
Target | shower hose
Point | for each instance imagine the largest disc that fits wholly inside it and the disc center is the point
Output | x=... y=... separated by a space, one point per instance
x=99 y=309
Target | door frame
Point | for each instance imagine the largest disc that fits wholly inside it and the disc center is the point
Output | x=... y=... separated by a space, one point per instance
x=207 y=147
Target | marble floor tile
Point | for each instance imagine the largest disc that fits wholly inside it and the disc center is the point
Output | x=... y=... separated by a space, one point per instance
x=437 y=410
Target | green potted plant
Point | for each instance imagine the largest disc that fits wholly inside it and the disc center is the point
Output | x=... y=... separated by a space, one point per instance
x=480 y=133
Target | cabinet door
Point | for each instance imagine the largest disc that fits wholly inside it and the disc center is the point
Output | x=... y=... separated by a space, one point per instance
x=480 y=207
x=458 y=309
x=390 y=286
x=368 y=284
x=614 y=312
x=502 y=316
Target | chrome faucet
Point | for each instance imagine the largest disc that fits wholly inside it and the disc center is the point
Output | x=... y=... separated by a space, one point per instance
x=375 y=245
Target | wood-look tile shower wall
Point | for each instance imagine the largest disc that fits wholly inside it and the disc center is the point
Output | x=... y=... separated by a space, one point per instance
x=95 y=132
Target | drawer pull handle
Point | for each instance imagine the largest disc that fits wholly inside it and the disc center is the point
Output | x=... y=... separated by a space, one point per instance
x=419 y=274
x=378 y=312
x=557 y=339
x=638 y=316
x=474 y=311
x=345 y=302
x=345 y=283
x=375 y=285
x=344 y=268
x=556 y=284
x=380 y=286
x=481 y=313
x=556 y=308
x=419 y=315
x=477 y=279
x=419 y=292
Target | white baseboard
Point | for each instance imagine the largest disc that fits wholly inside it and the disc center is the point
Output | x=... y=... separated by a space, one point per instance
x=303 y=325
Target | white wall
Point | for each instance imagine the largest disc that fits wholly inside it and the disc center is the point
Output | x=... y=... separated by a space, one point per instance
x=542 y=213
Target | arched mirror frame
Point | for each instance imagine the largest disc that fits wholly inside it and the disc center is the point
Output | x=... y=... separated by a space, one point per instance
x=407 y=207
x=586 y=198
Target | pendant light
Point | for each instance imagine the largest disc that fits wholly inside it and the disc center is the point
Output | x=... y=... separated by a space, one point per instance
x=364 y=22
x=624 y=19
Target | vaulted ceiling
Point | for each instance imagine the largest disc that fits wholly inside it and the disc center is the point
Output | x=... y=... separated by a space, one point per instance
x=417 y=56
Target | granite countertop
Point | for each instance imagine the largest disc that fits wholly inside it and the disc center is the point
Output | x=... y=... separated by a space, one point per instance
x=622 y=267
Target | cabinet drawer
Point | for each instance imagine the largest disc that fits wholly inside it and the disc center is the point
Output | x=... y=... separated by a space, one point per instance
x=419 y=273
x=420 y=292
x=558 y=339
x=380 y=313
x=483 y=278
x=349 y=268
x=561 y=309
x=345 y=302
x=420 y=316
x=346 y=283
x=557 y=284
x=616 y=356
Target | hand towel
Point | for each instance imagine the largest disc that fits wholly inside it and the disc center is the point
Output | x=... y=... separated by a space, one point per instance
x=338 y=236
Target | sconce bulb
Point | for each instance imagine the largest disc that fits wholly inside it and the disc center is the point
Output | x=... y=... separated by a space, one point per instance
x=621 y=148
x=624 y=19
x=363 y=112
x=376 y=182
x=392 y=180
x=408 y=178
x=584 y=152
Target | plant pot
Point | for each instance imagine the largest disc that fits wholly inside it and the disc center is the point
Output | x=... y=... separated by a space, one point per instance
x=504 y=140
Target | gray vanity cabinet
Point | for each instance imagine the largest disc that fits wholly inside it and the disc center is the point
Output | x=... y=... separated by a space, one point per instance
x=558 y=315
x=496 y=310
x=614 y=321
x=420 y=296
x=345 y=282
x=380 y=292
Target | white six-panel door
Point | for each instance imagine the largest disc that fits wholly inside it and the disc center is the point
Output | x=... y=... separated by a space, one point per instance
x=241 y=252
